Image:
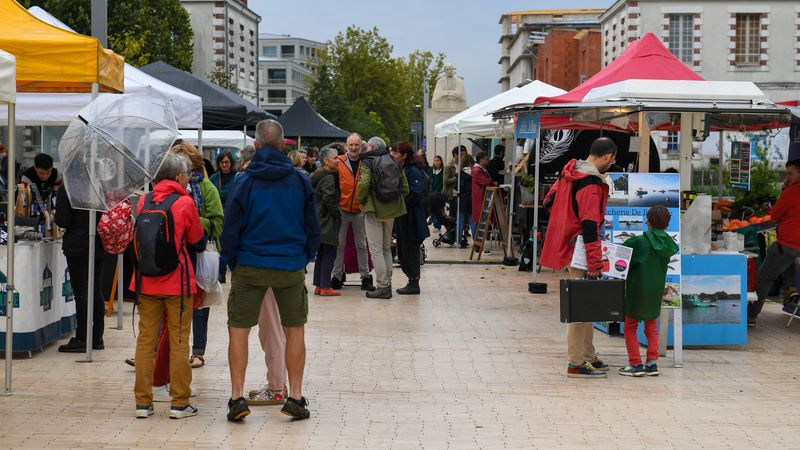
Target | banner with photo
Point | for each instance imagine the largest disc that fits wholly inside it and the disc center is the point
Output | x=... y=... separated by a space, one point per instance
x=626 y=216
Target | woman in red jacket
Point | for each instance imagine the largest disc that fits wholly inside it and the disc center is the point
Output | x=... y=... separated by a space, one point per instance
x=480 y=181
x=169 y=292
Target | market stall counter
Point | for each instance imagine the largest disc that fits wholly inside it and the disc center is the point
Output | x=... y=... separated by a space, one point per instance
x=43 y=301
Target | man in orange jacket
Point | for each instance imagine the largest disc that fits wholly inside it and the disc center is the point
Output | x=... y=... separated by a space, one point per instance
x=783 y=254
x=349 y=168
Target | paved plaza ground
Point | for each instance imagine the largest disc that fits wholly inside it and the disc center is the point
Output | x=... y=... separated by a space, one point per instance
x=473 y=362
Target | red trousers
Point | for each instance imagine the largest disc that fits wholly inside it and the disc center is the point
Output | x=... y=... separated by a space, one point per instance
x=632 y=341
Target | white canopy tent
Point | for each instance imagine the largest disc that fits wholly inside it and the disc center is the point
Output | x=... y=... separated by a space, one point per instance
x=8 y=90
x=476 y=121
x=59 y=109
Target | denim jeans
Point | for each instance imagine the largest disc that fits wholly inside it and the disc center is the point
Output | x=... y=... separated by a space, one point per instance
x=200 y=330
x=437 y=224
x=463 y=218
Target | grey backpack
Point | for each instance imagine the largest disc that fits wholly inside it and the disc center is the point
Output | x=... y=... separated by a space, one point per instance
x=386 y=181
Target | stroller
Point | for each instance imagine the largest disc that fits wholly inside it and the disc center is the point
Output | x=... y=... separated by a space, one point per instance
x=437 y=201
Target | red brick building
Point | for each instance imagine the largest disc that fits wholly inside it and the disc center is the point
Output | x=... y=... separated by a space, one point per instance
x=568 y=57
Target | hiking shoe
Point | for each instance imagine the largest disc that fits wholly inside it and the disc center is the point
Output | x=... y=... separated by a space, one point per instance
x=237 y=409
x=296 y=409
x=600 y=365
x=336 y=283
x=182 y=412
x=632 y=371
x=73 y=346
x=264 y=397
x=161 y=393
x=366 y=284
x=585 y=370
x=751 y=321
x=651 y=369
x=383 y=293
x=144 y=411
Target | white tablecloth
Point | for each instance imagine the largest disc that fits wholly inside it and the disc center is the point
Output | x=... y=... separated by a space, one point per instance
x=44 y=303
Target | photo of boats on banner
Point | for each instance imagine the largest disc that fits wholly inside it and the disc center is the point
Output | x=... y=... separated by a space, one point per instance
x=711 y=299
x=645 y=190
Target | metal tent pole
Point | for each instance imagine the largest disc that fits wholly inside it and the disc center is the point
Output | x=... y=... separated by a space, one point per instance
x=534 y=287
x=458 y=197
x=92 y=239
x=10 y=249
x=510 y=260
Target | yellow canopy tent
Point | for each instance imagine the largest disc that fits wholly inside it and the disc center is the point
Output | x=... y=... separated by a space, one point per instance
x=50 y=59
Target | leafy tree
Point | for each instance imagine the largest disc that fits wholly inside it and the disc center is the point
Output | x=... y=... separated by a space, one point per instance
x=224 y=79
x=361 y=87
x=143 y=31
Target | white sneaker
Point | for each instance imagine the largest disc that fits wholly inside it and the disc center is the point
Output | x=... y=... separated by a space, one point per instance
x=143 y=412
x=177 y=412
x=161 y=393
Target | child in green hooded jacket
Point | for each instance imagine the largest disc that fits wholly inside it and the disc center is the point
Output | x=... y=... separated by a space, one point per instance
x=644 y=289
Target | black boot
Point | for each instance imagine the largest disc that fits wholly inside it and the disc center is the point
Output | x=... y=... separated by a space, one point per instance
x=73 y=346
x=412 y=288
x=366 y=284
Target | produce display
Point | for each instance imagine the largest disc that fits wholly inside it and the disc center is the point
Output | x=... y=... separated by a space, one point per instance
x=735 y=224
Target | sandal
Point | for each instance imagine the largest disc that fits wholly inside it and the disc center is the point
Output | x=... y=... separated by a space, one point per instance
x=131 y=362
x=197 y=361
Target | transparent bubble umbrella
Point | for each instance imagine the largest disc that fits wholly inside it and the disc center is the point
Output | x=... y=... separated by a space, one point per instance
x=114 y=147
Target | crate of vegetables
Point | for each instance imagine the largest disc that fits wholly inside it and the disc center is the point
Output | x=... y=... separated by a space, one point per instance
x=753 y=224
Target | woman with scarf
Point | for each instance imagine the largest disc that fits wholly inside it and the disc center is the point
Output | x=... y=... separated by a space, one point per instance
x=226 y=173
x=223 y=180
x=206 y=199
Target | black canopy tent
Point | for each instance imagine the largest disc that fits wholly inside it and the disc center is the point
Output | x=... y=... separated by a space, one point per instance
x=301 y=120
x=222 y=109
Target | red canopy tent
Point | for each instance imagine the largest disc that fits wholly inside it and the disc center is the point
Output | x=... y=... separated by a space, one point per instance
x=644 y=59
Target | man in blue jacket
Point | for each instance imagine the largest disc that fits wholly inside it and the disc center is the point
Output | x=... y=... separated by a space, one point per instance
x=270 y=233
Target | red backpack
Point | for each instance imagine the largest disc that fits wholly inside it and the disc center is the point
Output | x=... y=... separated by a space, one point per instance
x=116 y=228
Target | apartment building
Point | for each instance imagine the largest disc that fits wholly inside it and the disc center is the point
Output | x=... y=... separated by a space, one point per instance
x=225 y=40
x=756 y=41
x=285 y=74
x=524 y=33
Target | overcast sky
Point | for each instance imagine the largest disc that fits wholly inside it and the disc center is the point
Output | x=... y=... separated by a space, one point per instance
x=466 y=31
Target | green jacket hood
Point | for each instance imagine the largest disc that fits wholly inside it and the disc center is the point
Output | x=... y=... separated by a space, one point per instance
x=661 y=242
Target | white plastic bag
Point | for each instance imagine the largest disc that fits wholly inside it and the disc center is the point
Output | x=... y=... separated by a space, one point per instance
x=213 y=297
x=207 y=270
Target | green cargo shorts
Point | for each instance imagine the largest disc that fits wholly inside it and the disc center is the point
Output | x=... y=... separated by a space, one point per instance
x=250 y=284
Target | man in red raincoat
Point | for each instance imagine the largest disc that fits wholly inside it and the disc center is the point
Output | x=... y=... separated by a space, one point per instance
x=578 y=201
